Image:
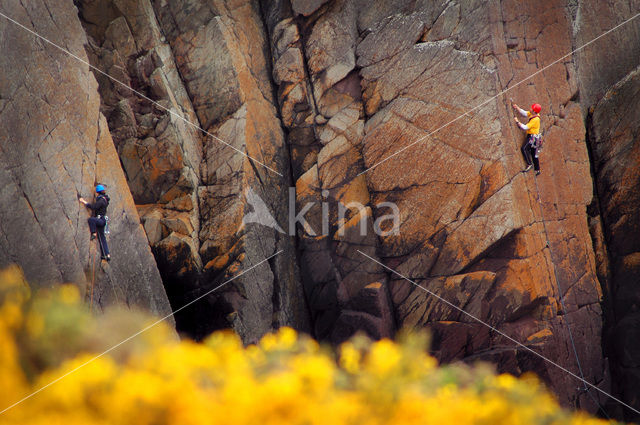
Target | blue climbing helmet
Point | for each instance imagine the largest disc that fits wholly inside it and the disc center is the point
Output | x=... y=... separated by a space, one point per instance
x=99 y=188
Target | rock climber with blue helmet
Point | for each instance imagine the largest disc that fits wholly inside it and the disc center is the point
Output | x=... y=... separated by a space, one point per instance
x=98 y=222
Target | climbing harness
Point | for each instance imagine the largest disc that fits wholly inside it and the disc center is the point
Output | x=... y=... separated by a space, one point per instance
x=106 y=221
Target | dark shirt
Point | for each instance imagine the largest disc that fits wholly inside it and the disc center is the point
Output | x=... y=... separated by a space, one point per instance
x=100 y=206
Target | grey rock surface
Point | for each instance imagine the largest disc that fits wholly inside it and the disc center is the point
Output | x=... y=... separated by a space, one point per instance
x=56 y=144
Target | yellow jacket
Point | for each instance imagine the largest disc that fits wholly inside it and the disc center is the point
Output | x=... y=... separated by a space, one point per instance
x=533 y=126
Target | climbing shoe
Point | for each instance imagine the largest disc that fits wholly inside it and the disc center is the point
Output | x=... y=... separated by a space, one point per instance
x=106 y=257
x=527 y=169
x=93 y=236
x=538 y=173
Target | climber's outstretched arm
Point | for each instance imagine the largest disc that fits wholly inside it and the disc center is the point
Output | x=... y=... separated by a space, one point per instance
x=520 y=110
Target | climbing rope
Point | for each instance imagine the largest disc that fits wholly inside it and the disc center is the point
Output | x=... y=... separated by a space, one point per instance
x=555 y=273
x=561 y=296
x=564 y=308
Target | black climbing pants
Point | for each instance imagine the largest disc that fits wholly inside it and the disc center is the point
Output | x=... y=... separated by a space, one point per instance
x=96 y=225
x=529 y=152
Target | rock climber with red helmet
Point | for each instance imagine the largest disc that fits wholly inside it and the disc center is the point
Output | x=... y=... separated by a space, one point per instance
x=532 y=146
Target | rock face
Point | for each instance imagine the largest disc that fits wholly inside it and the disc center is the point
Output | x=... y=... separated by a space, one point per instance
x=322 y=109
x=614 y=139
x=389 y=123
x=185 y=140
x=148 y=113
x=56 y=144
x=611 y=58
x=608 y=79
x=359 y=84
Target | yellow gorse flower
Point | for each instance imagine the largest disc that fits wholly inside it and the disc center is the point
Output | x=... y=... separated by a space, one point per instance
x=286 y=378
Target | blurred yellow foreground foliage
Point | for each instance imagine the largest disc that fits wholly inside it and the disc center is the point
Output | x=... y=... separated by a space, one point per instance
x=286 y=379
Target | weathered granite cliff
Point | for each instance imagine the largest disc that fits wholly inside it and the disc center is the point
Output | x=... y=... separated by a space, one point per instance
x=217 y=107
x=201 y=65
x=55 y=144
x=614 y=138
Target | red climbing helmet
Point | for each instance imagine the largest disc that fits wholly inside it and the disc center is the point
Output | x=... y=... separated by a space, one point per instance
x=536 y=108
